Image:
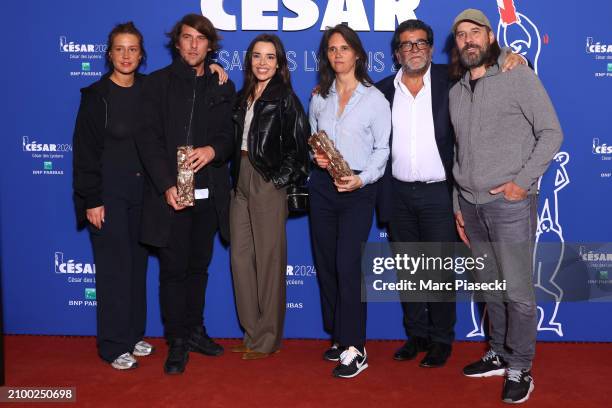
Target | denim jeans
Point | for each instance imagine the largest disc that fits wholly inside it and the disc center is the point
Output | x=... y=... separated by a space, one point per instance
x=503 y=232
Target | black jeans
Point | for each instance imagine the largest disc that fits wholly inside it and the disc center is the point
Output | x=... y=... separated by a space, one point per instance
x=183 y=268
x=340 y=223
x=121 y=270
x=423 y=212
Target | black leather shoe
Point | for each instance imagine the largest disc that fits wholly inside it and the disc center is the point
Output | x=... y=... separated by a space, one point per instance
x=178 y=355
x=437 y=355
x=200 y=342
x=411 y=348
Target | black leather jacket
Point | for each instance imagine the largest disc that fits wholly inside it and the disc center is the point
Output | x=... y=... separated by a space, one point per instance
x=277 y=140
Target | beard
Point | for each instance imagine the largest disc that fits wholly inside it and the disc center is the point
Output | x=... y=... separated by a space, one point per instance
x=416 y=69
x=474 y=60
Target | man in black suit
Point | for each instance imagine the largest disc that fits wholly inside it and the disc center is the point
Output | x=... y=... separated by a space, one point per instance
x=185 y=105
x=416 y=192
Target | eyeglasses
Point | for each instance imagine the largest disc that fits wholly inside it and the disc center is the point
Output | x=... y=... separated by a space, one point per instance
x=409 y=45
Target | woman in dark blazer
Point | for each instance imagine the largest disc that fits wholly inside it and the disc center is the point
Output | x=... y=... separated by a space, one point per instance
x=108 y=183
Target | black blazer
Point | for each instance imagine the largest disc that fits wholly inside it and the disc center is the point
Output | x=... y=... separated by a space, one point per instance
x=445 y=136
x=168 y=100
x=90 y=134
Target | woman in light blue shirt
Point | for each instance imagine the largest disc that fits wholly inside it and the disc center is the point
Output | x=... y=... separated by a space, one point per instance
x=357 y=118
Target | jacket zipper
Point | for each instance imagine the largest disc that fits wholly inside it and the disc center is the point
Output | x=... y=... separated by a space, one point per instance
x=195 y=79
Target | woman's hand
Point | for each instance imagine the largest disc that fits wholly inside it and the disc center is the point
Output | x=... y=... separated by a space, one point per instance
x=321 y=160
x=96 y=216
x=350 y=183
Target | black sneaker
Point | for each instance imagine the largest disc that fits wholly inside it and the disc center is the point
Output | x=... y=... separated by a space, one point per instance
x=200 y=342
x=517 y=386
x=352 y=362
x=178 y=355
x=489 y=365
x=333 y=353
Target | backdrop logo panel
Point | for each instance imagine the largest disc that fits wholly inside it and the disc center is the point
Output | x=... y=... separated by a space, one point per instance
x=257 y=15
x=602 y=55
x=86 y=59
x=517 y=31
x=47 y=158
x=297 y=274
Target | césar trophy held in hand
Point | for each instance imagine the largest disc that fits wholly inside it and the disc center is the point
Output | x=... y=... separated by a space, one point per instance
x=185 y=185
x=338 y=167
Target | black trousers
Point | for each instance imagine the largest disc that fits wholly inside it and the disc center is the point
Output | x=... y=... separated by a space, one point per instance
x=340 y=223
x=183 y=268
x=121 y=268
x=424 y=213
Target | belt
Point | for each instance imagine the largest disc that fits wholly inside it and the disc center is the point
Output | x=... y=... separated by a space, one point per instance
x=418 y=183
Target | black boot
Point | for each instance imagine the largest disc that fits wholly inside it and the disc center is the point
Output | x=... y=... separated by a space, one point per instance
x=200 y=342
x=178 y=355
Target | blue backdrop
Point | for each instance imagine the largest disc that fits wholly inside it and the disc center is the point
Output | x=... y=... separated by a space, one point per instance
x=58 y=47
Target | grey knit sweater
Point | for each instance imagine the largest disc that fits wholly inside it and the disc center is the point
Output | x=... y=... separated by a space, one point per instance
x=506 y=130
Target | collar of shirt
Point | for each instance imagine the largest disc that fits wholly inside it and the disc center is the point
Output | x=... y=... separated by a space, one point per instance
x=399 y=84
x=359 y=90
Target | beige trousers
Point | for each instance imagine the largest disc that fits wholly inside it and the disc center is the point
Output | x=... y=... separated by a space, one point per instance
x=258 y=214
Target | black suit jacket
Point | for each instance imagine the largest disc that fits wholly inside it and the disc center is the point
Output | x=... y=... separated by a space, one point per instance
x=445 y=136
x=168 y=100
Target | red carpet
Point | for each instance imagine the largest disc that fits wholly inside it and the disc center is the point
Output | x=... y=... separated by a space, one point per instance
x=566 y=375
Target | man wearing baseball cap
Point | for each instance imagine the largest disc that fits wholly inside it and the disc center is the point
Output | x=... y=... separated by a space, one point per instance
x=507 y=132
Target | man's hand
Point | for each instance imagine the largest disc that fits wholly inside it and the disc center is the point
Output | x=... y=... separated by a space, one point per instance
x=172 y=198
x=511 y=190
x=200 y=157
x=512 y=61
x=218 y=69
x=350 y=183
x=96 y=216
x=321 y=160
x=461 y=228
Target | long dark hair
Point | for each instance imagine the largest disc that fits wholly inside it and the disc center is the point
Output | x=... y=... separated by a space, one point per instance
x=456 y=68
x=125 y=28
x=326 y=73
x=250 y=80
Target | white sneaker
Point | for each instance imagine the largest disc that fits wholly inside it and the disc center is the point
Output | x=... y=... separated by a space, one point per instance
x=143 y=349
x=126 y=361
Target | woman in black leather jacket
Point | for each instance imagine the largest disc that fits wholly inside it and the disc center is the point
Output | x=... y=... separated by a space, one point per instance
x=271 y=132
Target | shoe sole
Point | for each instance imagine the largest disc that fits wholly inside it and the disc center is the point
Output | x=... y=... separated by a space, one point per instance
x=331 y=359
x=404 y=358
x=195 y=350
x=180 y=371
x=492 y=373
x=363 y=367
x=531 y=387
x=432 y=365
x=123 y=368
